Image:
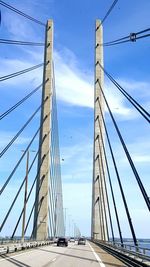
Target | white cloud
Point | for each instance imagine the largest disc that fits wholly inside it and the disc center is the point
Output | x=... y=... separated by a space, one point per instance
x=81 y=157
x=131 y=85
x=118 y=103
x=5 y=138
x=139 y=150
x=141 y=158
x=9 y=66
x=77 y=88
x=16 y=27
x=72 y=87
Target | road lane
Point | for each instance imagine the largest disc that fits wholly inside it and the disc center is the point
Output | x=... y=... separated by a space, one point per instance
x=106 y=258
x=72 y=256
x=77 y=256
x=37 y=257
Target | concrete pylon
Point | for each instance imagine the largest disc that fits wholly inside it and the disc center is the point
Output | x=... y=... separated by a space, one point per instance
x=40 y=228
x=99 y=228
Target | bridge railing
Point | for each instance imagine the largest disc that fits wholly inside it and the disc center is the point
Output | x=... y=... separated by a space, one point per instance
x=132 y=248
x=4 y=241
x=142 y=253
x=10 y=246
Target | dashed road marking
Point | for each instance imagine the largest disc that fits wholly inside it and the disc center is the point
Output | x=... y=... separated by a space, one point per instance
x=53 y=259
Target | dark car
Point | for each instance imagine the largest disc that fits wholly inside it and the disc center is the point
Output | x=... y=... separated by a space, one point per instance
x=62 y=241
x=81 y=241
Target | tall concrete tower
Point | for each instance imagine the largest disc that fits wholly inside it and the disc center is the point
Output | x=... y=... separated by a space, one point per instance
x=40 y=229
x=99 y=229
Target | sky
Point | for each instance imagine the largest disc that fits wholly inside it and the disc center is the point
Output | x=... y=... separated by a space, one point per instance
x=74 y=42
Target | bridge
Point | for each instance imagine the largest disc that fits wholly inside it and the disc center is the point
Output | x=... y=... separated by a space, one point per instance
x=33 y=217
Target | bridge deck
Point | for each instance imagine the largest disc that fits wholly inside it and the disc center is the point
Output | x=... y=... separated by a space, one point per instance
x=72 y=256
x=106 y=260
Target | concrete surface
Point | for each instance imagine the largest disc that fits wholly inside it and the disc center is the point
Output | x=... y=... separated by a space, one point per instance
x=72 y=256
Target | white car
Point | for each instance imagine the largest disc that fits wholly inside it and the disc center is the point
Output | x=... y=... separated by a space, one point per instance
x=72 y=239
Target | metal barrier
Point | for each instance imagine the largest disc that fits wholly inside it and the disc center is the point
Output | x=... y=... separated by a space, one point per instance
x=132 y=256
x=131 y=248
x=10 y=246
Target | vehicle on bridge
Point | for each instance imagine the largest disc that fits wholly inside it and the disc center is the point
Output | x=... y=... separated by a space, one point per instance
x=81 y=241
x=72 y=239
x=62 y=241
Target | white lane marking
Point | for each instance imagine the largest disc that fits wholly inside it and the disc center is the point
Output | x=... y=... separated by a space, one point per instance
x=16 y=255
x=97 y=257
x=53 y=259
x=10 y=257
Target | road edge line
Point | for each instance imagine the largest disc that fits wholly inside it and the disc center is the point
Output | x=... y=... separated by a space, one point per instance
x=97 y=257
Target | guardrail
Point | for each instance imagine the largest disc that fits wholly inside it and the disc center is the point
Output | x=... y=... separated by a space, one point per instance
x=132 y=255
x=141 y=250
x=9 y=240
x=13 y=246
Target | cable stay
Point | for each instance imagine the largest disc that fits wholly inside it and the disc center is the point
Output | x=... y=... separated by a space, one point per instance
x=132 y=37
x=15 y=229
x=33 y=207
x=101 y=165
x=109 y=177
x=15 y=74
x=29 y=194
x=17 y=194
x=39 y=207
x=138 y=179
x=23 y=155
x=101 y=199
x=101 y=215
x=108 y=12
x=8 y=111
x=19 y=132
x=21 y=13
x=138 y=107
x=14 y=42
x=55 y=161
x=119 y=182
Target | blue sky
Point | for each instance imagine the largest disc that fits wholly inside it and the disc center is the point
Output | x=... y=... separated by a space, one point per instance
x=74 y=41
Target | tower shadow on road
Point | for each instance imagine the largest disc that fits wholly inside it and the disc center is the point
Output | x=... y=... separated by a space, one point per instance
x=67 y=255
x=83 y=258
x=15 y=262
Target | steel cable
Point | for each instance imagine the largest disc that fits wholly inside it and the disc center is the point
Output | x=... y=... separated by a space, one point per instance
x=143 y=191
x=20 y=160
x=138 y=107
x=21 y=13
x=29 y=194
x=12 y=108
x=109 y=178
x=132 y=37
x=119 y=182
x=105 y=186
x=16 y=42
x=18 y=192
x=26 y=202
x=19 y=132
x=109 y=11
x=15 y=74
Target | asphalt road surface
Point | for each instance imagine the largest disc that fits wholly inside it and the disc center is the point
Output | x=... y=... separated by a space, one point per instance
x=72 y=256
